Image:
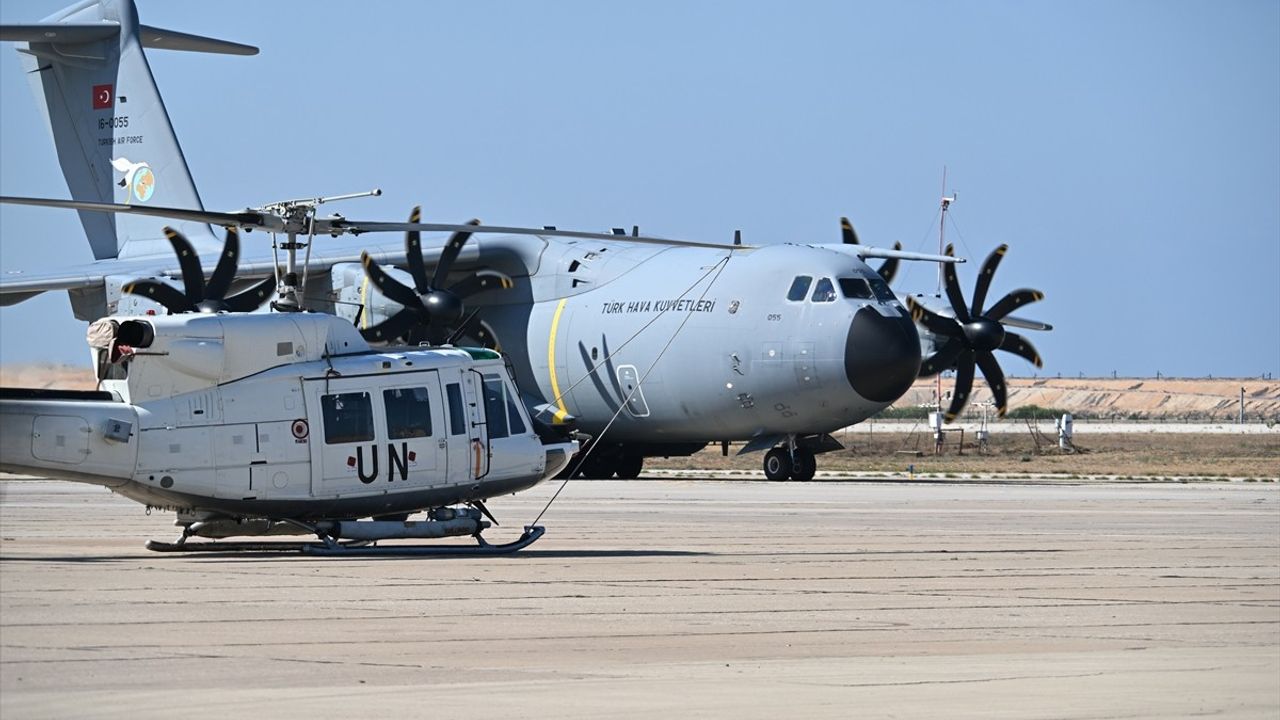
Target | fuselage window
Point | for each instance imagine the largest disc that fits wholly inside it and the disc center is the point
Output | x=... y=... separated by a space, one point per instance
x=799 y=288
x=855 y=288
x=495 y=407
x=882 y=291
x=457 y=415
x=348 y=418
x=824 y=291
x=408 y=413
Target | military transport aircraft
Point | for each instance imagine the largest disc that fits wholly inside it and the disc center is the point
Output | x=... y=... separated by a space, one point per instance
x=653 y=346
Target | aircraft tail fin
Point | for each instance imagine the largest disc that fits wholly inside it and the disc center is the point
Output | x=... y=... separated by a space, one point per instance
x=110 y=128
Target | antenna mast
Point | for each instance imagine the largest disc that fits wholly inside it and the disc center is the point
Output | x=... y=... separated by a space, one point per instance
x=942 y=230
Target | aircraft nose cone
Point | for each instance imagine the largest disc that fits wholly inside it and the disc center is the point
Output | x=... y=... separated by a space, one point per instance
x=882 y=355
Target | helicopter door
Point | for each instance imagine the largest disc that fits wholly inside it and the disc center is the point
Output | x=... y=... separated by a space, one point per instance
x=375 y=439
x=467 y=441
x=417 y=446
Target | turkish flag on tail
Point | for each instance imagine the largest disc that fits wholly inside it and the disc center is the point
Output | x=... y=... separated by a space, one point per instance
x=104 y=96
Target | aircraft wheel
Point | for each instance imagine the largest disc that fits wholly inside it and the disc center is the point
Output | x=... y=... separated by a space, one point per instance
x=777 y=464
x=598 y=467
x=629 y=467
x=804 y=466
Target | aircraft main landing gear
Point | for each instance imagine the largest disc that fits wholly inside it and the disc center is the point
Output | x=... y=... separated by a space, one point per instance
x=790 y=462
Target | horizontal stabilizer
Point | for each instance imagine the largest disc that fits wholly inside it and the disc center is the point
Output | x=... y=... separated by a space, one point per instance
x=65 y=34
x=151 y=37
x=154 y=37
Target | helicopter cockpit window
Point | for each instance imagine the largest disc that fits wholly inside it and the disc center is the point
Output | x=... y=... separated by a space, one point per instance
x=799 y=288
x=408 y=413
x=824 y=291
x=882 y=291
x=495 y=407
x=348 y=418
x=457 y=416
x=855 y=288
x=517 y=424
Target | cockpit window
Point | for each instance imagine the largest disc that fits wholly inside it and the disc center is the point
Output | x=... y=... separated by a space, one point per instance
x=799 y=288
x=881 y=289
x=855 y=288
x=824 y=291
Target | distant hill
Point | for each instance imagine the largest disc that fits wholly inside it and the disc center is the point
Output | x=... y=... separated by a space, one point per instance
x=1123 y=398
x=64 y=377
x=1102 y=398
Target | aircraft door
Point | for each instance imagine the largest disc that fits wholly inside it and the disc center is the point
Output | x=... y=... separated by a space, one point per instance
x=369 y=438
x=345 y=454
x=417 y=449
x=463 y=428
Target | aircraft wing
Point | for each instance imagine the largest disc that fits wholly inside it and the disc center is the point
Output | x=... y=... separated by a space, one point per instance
x=19 y=285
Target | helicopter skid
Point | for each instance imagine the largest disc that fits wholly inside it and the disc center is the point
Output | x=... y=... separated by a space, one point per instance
x=351 y=548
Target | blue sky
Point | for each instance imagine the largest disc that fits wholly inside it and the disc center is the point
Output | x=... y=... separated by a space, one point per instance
x=1128 y=152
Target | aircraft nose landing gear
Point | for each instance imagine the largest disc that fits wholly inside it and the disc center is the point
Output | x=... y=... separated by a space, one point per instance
x=790 y=462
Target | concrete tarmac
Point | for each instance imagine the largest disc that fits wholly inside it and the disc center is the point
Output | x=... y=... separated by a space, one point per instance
x=660 y=598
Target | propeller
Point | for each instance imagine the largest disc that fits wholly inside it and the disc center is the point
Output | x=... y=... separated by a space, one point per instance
x=974 y=334
x=197 y=295
x=890 y=267
x=430 y=311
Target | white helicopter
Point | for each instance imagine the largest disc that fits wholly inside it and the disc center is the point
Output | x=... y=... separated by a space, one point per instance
x=272 y=424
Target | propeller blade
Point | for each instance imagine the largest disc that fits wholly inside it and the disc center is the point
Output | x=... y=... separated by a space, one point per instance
x=450 y=253
x=461 y=329
x=189 y=261
x=481 y=281
x=964 y=384
x=225 y=271
x=942 y=359
x=890 y=267
x=1021 y=347
x=995 y=379
x=954 y=294
x=393 y=327
x=253 y=298
x=435 y=333
x=389 y=286
x=984 y=278
x=174 y=301
x=847 y=232
x=484 y=334
x=933 y=322
x=1011 y=321
x=413 y=253
x=1012 y=301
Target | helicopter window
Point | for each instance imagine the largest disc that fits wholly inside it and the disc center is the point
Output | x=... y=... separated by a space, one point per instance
x=517 y=424
x=348 y=418
x=882 y=291
x=855 y=288
x=825 y=291
x=495 y=407
x=457 y=417
x=799 y=288
x=408 y=413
